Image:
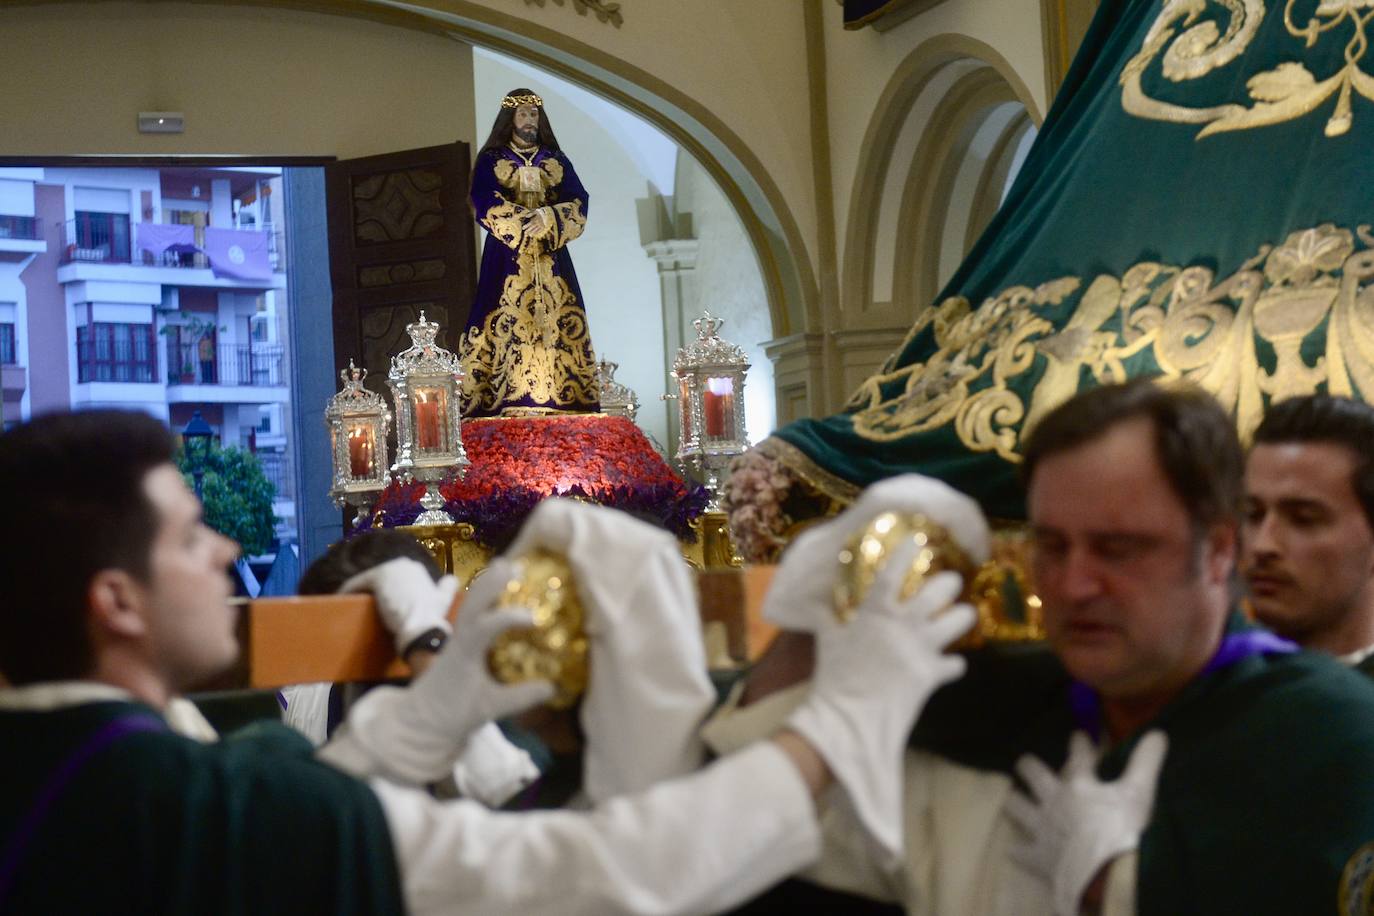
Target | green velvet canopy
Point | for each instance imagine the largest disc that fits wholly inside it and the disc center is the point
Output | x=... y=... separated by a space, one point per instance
x=1197 y=204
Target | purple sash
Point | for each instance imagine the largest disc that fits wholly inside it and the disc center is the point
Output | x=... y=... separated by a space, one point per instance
x=1087 y=708
x=57 y=783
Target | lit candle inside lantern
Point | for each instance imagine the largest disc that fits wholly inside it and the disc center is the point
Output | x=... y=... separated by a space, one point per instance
x=684 y=399
x=719 y=406
x=429 y=418
x=360 y=448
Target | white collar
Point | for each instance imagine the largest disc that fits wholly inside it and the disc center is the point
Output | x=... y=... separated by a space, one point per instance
x=1359 y=655
x=51 y=695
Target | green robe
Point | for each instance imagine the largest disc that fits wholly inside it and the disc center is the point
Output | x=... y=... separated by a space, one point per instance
x=158 y=823
x=1265 y=802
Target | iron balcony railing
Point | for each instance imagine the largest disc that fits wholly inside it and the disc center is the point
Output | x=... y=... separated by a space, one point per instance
x=104 y=238
x=226 y=364
x=101 y=238
x=277 y=469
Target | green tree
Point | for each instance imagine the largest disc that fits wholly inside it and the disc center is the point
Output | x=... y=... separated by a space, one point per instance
x=237 y=497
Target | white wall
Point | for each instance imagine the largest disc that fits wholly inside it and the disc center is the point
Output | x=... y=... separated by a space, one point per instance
x=730 y=286
x=16 y=197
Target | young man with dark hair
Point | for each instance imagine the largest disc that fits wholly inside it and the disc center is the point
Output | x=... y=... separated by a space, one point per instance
x=1263 y=804
x=1308 y=544
x=117 y=600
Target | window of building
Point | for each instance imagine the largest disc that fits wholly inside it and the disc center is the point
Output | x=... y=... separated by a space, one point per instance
x=100 y=236
x=8 y=354
x=109 y=352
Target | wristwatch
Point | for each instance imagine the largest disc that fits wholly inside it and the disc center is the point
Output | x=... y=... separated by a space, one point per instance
x=431 y=640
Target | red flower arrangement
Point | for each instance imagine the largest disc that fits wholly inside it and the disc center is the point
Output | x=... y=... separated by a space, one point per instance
x=517 y=462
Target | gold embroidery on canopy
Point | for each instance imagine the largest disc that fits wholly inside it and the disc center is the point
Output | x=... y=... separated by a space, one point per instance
x=1288 y=91
x=1194 y=328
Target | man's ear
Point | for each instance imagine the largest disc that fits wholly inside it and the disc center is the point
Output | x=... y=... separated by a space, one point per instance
x=1223 y=543
x=117 y=602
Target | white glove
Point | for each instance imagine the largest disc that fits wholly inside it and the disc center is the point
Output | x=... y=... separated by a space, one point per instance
x=873 y=676
x=647 y=689
x=492 y=769
x=1077 y=823
x=417 y=732
x=409 y=601
x=802 y=594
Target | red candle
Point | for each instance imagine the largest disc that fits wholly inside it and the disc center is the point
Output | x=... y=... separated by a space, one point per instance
x=684 y=399
x=427 y=429
x=717 y=406
x=360 y=451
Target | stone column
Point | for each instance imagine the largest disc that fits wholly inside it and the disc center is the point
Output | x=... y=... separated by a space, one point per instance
x=677 y=263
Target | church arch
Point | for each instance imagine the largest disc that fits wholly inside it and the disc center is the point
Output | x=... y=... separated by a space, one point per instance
x=951 y=94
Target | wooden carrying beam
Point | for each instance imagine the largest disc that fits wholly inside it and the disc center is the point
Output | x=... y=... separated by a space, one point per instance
x=340 y=638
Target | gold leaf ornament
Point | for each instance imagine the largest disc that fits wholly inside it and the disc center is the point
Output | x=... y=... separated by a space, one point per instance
x=1286 y=93
x=555 y=648
x=868 y=550
x=1190 y=325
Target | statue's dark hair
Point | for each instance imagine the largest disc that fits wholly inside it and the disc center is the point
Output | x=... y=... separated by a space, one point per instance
x=505 y=123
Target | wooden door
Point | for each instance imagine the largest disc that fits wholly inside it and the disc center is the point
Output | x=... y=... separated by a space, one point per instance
x=400 y=241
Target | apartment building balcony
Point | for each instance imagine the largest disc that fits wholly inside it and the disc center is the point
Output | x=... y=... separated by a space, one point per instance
x=204 y=372
x=13 y=382
x=105 y=246
x=21 y=235
x=276 y=467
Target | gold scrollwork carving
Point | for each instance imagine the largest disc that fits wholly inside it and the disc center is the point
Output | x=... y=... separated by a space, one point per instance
x=1288 y=91
x=1193 y=327
x=605 y=11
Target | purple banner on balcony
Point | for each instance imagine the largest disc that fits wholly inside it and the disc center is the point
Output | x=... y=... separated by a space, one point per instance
x=238 y=254
x=156 y=238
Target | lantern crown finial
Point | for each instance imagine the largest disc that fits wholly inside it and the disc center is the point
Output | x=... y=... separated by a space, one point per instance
x=707 y=326
x=352 y=378
x=422 y=332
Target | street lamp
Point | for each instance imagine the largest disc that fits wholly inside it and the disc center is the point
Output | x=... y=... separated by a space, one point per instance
x=195 y=439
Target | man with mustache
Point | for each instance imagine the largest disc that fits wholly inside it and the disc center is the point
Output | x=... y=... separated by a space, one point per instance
x=1263 y=804
x=1308 y=533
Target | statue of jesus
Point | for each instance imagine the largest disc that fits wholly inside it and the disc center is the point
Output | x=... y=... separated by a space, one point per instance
x=526 y=349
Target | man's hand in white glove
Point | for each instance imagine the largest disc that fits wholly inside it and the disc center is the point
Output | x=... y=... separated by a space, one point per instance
x=873 y=676
x=802 y=595
x=409 y=601
x=416 y=733
x=1078 y=824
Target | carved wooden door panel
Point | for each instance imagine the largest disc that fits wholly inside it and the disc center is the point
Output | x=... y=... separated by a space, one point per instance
x=400 y=241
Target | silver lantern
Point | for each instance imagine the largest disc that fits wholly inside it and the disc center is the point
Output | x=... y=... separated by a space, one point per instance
x=425 y=380
x=617 y=399
x=710 y=376
x=358 y=422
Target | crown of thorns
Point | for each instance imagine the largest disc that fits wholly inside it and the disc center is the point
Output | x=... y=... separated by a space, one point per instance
x=515 y=101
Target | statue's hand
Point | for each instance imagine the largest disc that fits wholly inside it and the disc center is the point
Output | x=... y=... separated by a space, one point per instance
x=539 y=223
